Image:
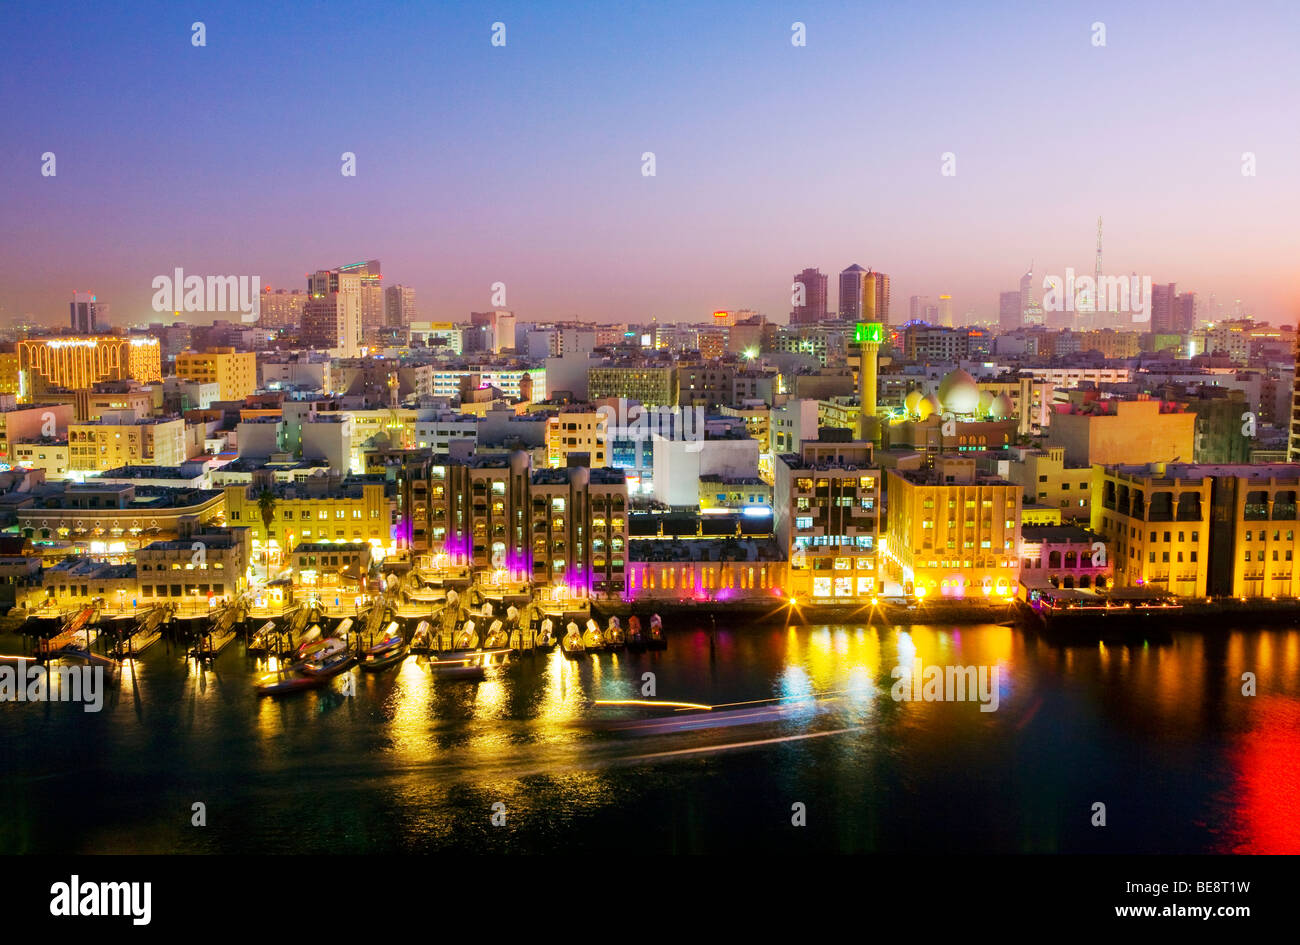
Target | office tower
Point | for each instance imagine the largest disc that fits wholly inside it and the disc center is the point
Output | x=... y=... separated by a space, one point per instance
x=945 y=311
x=917 y=306
x=1010 y=311
x=814 y=307
x=89 y=315
x=1026 y=293
x=851 y=293
x=331 y=318
x=875 y=297
x=1162 y=309
x=371 y=294
x=281 y=309
x=1184 y=316
x=399 y=306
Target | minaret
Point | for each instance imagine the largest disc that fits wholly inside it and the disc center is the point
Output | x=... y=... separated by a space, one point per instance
x=869 y=336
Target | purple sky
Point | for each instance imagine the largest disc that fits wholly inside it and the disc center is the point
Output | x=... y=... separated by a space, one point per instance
x=522 y=164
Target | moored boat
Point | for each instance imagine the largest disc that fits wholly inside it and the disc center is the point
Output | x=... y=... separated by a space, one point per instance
x=422 y=639
x=656 y=639
x=284 y=681
x=593 y=639
x=497 y=637
x=635 y=637
x=334 y=658
x=546 y=634
x=615 y=637
x=372 y=661
x=572 y=643
x=466 y=637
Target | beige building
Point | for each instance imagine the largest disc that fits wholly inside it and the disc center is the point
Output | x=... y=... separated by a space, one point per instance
x=953 y=532
x=1044 y=479
x=1114 y=432
x=234 y=372
x=119 y=439
x=577 y=431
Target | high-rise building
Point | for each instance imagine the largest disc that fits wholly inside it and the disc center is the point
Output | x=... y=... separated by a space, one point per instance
x=89 y=315
x=945 y=311
x=1184 y=315
x=1162 y=309
x=281 y=309
x=815 y=304
x=332 y=315
x=372 y=296
x=399 y=306
x=1010 y=311
x=851 y=293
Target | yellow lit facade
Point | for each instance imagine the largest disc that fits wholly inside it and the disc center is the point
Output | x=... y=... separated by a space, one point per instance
x=952 y=532
x=577 y=431
x=79 y=363
x=235 y=372
x=105 y=444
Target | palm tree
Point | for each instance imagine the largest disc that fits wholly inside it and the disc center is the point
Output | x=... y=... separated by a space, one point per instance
x=266 y=506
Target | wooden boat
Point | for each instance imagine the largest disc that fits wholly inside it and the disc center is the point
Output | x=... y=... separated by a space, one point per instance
x=636 y=640
x=615 y=638
x=259 y=644
x=466 y=637
x=374 y=661
x=422 y=639
x=284 y=681
x=334 y=658
x=546 y=634
x=309 y=640
x=656 y=639
x=469 y=665
x=572 y=644
x=593 y=640
x=497 y=636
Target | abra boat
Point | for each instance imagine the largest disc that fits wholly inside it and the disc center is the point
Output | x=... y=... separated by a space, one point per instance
x=615 y=637
x=497 y=636
x=284 y=681
x=466 y=637
x=635 y=638
x=469 y=665
x=333 y=658
x=422 y=639
x=656 y=639
x=388 y=650
x=572 y=643
x=593 y=640
x=546 y=634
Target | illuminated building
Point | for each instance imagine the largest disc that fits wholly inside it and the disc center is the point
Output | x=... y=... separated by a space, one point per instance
x=1062 y=556
x=579 y=530
x=202 y=563
x=1123 y=431
x=235 y=372
x=18 y=424
x=851 y=307
x=953 y=532
x=1201 y=530
x=815 y=305
x=88 y=314
x=654 y=386
x=80 y=363
x=332 y=566
x=868 y=336
x=47 y=453
x=320 y=509
x=118 y=438
x=577 y=431
x=721 y=570
x=826 y=506
x=112 y=518
x=1044 y=479
x=281 y=310
x=399 y=306
x=331 y=317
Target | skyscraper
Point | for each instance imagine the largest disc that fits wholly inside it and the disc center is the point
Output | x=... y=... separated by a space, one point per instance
x=851 y=293
x=815 y=304
x=1010 y=311
x=917 y=306
x=945 y=311
x=1184 y=317
x=1162 y=309
x=89 y=315
x=331 y=317
x=399 y=306
x=372 y=296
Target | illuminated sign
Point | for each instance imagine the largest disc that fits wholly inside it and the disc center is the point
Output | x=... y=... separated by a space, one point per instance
x=868 y=332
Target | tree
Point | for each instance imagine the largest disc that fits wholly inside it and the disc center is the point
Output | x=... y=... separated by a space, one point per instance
x=266 y=506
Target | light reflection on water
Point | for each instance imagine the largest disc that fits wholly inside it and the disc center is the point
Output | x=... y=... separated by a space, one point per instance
x=413 y=761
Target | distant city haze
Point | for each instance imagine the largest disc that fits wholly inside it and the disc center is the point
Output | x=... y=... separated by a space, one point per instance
x=523 y=164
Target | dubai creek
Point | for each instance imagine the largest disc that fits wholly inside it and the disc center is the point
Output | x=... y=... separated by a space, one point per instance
x=1157 y=731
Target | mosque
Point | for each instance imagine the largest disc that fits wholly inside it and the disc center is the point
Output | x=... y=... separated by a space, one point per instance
x=959 y=417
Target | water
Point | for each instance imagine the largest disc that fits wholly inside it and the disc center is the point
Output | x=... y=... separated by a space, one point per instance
x=1158 y=733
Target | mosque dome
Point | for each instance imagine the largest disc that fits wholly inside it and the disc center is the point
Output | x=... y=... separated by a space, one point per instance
x=986 y=401
x=912 y=401
x=959 y=393
x=928 y=405
x=1001 y=407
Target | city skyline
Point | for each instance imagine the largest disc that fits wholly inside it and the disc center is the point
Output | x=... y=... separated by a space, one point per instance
x=523 y=164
